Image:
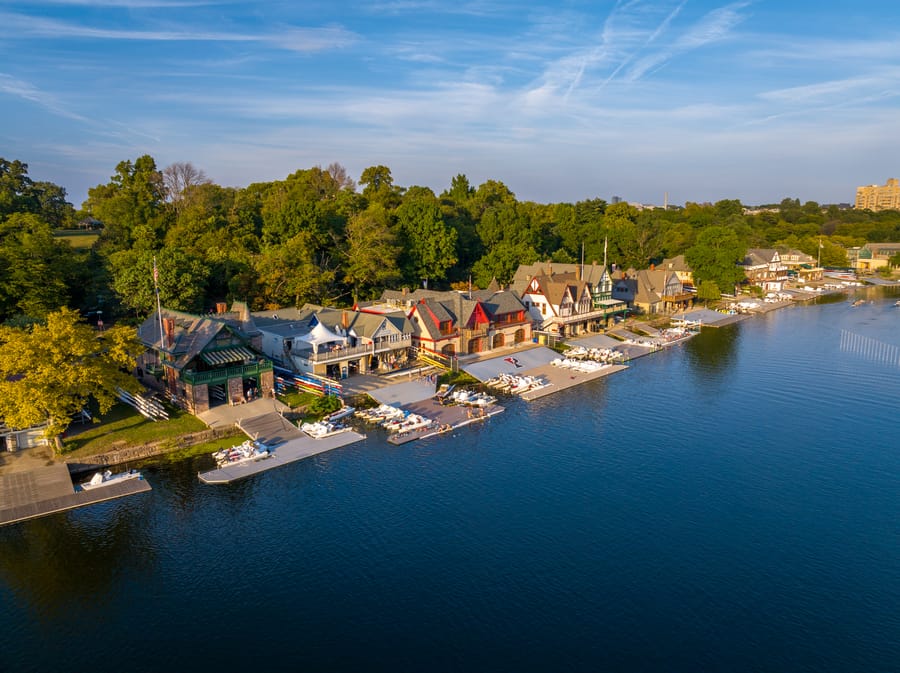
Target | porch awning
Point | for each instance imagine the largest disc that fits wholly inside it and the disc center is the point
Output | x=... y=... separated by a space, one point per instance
x=227 y=356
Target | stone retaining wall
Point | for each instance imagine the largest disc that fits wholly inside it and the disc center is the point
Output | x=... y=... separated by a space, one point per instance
x=127 y=454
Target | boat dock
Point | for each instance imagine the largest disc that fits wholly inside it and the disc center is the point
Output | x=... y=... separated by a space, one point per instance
x=537 y=362
x=47 y=490
x=445 y=418
x=286 y=443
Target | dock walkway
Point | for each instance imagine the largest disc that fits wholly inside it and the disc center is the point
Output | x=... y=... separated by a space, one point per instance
x=47 y=490
x=287 y=443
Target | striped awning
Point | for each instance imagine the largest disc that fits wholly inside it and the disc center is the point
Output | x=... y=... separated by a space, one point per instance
x=227 y=356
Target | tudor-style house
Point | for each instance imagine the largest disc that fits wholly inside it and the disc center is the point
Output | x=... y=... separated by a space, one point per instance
x=568 y=299
x=763 y=267
x=804 y=267
x=206 y=360
x=660 y=291
x=680 y=267
x=335 y=343
x=459 y=323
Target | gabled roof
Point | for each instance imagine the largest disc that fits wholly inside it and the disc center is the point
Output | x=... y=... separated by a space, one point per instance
x=191 y=334
x=676 y=263
x=758 y=256
x=499 y=302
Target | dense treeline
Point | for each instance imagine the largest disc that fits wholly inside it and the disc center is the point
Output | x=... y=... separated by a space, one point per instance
x=317 y=236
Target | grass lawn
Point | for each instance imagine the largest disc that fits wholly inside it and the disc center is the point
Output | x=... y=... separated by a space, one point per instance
x=79 y=240
x=122 y=425
x=297 y=399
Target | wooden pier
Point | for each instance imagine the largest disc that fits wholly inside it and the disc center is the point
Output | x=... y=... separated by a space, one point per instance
x=47 y=490
x=286 y=442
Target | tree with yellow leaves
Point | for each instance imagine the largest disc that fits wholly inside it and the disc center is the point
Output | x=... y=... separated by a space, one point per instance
x=50 y=371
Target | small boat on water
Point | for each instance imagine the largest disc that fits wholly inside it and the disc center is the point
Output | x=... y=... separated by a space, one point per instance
x=859 y=302
x=107 y=478
x=343 y=412
x=247 y=452
x=897 y=303
x=322 y=429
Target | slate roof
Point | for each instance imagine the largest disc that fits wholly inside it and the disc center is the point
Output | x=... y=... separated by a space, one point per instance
x=676 y=263
x=192 y=334
x=590 y=273
x=759 y=256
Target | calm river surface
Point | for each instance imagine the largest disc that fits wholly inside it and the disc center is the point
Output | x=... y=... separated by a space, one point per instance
x=732 y=504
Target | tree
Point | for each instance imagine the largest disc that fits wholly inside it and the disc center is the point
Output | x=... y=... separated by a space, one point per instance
x=49 y=372
x=182 y=279
x=379 y=186
x=708 y=291
x=34 y=268
x=715 y=257
x=371 y=252
x=289 y=276
x=430 y=242
x=180 y=177
x=133 y=197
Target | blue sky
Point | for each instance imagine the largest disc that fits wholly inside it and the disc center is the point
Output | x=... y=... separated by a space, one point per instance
x=561 y=101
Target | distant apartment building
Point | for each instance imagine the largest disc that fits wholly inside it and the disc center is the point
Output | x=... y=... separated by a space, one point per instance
x=879 y=197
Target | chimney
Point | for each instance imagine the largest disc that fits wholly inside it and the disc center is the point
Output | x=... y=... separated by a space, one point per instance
x=405 y=291
x=170 y=331
x=345 y=319
x=221 y=307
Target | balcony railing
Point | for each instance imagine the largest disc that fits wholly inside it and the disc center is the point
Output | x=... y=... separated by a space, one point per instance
x=222 y=375
x=351 y=352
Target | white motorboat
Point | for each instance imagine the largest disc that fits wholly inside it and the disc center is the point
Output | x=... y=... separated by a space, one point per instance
x=107 y=478
x=322 y=429
x=343 y=412
x=247 y=452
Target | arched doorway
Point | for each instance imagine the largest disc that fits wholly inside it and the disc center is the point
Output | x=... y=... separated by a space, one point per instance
x=499 y=340
x=475 y=345
x=519 y=336
x=449 y=349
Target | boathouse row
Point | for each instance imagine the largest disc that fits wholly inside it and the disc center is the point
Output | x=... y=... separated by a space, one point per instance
x=203 y=361
x=335 y=343
x=461 y=323
x=568 y=299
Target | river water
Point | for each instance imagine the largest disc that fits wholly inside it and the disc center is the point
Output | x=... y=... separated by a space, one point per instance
x=731 y=504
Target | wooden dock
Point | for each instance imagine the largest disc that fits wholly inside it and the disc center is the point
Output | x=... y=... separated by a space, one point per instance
x=47 y=490
x=445 y=417
x=560 y=378
x=286 y=442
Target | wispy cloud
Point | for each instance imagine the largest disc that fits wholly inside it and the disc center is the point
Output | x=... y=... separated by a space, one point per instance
x=289 y=38
x=15 y=87
x=715 y=26
x=134 y=4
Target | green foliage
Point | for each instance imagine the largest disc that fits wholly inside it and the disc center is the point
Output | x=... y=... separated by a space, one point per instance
x=50 y=372
x=708 y=290
x=322 y=406
x=130 y=205
x=35 y=268
x=715 y=257
x=371 y=253
x=430 y=243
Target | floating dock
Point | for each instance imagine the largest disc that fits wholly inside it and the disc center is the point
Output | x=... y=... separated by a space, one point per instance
x=286 y=443
x=445 y=418
x=48 y=490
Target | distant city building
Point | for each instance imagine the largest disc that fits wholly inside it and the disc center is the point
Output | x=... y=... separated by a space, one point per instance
x=615 y=199
x=879 y=197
